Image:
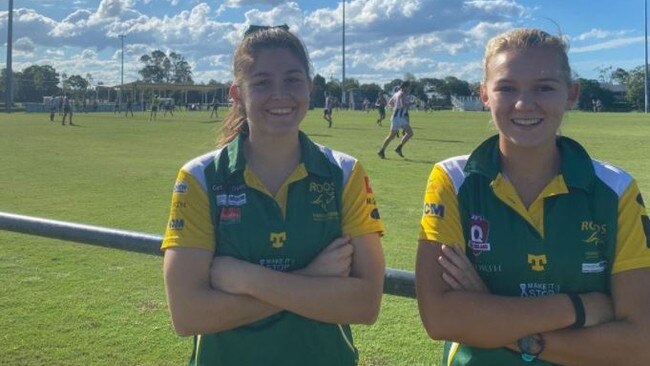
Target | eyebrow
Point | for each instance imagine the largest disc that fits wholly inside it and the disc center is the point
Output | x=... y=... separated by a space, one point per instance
x=542 y=80
x=288 y=72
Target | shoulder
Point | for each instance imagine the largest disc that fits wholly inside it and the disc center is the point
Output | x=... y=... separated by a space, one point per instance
x=337 y=158
x=197 y=167
x=454 y=168
x=617 y=179
x=342 y=161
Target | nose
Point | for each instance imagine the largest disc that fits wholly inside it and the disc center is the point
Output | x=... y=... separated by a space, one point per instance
x=525 y=101
x=279 y=90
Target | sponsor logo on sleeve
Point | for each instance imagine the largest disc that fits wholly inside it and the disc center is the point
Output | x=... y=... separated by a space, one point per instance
x=375 y=214
x=645 y=221
x=176 y=224
x=478 y=235
x=180 y=187
x=368 y=186
x=434 y=210
x=179 y=204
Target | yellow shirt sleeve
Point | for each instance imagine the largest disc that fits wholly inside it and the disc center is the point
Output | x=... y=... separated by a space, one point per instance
x=633 y=235
x=189 y=223
x=360 y=213
x=440 y=216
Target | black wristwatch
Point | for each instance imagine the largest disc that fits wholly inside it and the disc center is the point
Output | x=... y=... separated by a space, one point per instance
x=530 y=347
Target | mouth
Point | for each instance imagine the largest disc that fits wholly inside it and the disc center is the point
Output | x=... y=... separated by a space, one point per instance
x=280 y=111
x=526 y=122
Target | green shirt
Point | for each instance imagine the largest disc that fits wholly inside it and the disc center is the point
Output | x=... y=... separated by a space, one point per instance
x=220 y=205
x=587 y=224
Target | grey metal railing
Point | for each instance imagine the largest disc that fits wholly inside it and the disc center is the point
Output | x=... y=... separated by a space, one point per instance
x=397 y=282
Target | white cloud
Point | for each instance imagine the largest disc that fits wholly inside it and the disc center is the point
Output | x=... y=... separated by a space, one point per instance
x=617 y=43
x=600 y=34
x=24 y=47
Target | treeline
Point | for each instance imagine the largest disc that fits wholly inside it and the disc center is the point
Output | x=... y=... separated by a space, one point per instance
x=38 y=81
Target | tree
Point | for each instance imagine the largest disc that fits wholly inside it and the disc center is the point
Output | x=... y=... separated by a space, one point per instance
x=318 y=91
x=77 y=85
x=591 y=90
x=160 y=68
x=457 y=87
x=156 y=67
x=35 y=82
x=181 y=69
x=635 y=88
x=620 y=76
x=333 y=88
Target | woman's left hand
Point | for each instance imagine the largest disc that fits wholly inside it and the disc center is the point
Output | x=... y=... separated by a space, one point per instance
x=459 y=273
x=229 y=274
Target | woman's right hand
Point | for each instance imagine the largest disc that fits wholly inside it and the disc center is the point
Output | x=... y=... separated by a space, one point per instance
x=599 y=308
x=334 y=261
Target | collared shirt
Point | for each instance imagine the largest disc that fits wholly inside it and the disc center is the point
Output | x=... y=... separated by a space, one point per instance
x=588 y=223
x=219 y=204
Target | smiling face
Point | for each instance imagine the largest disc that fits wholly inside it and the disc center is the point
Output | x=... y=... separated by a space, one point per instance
x=274 y=92
x=527 y=93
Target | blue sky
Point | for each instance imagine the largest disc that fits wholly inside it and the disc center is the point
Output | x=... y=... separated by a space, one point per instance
x=385 y=38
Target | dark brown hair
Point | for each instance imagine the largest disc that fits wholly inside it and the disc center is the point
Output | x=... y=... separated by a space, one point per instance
x=260 y=39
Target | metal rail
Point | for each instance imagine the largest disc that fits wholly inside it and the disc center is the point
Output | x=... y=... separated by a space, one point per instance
x=397 y=282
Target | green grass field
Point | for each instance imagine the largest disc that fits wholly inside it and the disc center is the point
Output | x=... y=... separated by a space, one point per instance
x=73 y=304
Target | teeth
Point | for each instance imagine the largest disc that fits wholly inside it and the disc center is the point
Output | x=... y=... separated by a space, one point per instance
x=526 y=121
x=280 y=110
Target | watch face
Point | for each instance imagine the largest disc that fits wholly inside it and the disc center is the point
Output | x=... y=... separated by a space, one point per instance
x=532 y=345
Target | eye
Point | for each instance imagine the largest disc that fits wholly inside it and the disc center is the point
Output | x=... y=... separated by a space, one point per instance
x=545 y=88
x=293 y=79
x=259 y=83
x=504 y=88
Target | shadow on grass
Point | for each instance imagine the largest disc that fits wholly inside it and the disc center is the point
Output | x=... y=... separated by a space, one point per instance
x=439 y=140
x=412 y=161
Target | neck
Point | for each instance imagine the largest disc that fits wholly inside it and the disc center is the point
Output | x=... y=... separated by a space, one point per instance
x=529 y=170
x=272 y=158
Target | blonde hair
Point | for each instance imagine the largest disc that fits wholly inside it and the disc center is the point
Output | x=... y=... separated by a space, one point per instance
x=262 y=38
x=523 y=39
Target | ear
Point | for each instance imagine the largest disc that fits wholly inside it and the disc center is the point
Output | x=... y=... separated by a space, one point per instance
x=484 y=95
x=233 y=92
x=573 y=95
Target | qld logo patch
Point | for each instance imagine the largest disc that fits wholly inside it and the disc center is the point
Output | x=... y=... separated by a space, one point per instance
x=478 y=235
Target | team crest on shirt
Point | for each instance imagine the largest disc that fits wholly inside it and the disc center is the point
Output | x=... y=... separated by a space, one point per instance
x=595 y=233
x=478 y=235
x=323 y=200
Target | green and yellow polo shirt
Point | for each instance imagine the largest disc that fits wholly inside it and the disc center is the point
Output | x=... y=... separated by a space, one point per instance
x=587 y=224
x=220 y=205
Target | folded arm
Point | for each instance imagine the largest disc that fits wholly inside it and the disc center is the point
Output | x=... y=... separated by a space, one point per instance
x=483 y=319
x=342 y=298
x=196 y=307
x=623 y=341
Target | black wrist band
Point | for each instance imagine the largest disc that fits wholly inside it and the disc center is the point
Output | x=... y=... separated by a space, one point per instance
x=579 y=308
